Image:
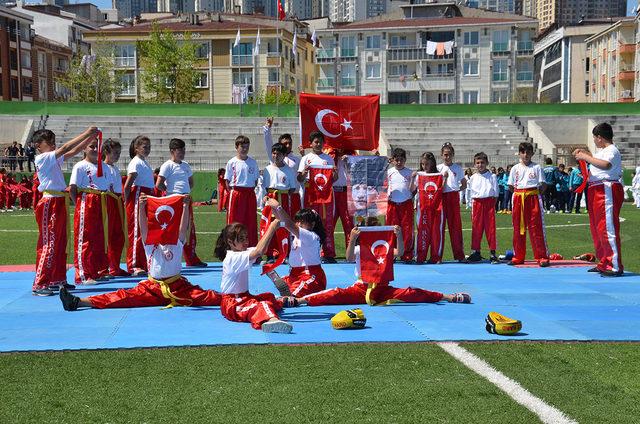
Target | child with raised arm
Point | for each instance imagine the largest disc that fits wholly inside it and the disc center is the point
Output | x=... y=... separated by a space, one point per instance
x=261 y=310
x=90 y=228
x=111 y=150
x=483 y=186
x=163 y=287
x=176 y=177
x=380 y=294
x=400 y=200
x=526 y=182
x=52 y=209
x=139 y=181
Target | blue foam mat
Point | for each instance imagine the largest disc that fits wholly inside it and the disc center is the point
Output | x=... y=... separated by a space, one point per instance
x=553 y=304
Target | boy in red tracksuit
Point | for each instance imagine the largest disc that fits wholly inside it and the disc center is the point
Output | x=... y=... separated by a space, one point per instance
x=242 y=175
x=526 y=182
x=483 y=189
x=176 y=177
x=3 y=175
x=164 y=285
x=381 y=294
x=90 y=228
x=400 y=203
x=451 y=199
x=26 y=195
x=10 y=191
x=52 y=209
x=606 y=195
x=111 y=150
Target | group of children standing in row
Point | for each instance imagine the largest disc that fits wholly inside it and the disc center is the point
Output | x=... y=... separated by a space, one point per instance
x=16 y=195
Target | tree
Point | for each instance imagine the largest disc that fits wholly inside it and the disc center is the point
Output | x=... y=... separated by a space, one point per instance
x=167 y=68
x=89 y=78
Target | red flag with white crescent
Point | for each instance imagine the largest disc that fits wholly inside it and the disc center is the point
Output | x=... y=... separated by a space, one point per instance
x=163 y=219
x=99 y=173
x=279 y=246
x=320 y=188
x=281 y=13
x=376 y=254
x=430 y=189
x=584 y=170
x=347 y=122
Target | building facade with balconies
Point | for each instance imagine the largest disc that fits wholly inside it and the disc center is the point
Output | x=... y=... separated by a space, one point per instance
x=441 y=56
x=224 y=69
x=614 y=69
x=16 y=36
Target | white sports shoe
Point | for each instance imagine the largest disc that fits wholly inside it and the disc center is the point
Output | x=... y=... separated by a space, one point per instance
x=277 y=327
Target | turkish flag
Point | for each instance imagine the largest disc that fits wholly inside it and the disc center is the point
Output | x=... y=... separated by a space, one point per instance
x=163 y=219
x=320 y=188
x=281 y=14
x=376 y=254
x=347 y=122
x=430 y=189
x=279 y=246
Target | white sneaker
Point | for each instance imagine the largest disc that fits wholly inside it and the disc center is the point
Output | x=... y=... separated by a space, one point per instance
x=277 y=327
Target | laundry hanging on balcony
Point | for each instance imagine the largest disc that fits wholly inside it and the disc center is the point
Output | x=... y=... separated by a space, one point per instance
x=439 y=49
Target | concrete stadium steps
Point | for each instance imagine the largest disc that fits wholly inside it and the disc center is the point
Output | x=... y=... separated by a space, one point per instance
x=626 y=131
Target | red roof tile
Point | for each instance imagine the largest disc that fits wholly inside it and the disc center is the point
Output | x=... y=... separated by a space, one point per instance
x=432 y=22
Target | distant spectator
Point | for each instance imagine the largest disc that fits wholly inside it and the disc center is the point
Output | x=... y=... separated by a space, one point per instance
x=12 y=152
x=30 y=153
x=21 y=157
x=562 y=190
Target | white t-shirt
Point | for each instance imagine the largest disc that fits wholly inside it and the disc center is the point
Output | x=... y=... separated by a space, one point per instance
x=342 y=174
x=305 y=249
x=85 y=175
x=144 y=177
x=115 y=179
x=235 y=272
x=612 y=155
x=176 y=177
x=483 y=185
x=242 y=173
x=50 y=172
x=312 y=159
x=164 y=261
x=454 y=177
x=522 y=177
x=278 y=178
x=399 y=184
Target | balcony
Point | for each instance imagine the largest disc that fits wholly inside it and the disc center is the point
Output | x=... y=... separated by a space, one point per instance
x=525 y=76
x=347 y=82
x=242 y=60
x=325 y=55
x=347 y=53
x=439 y=75
x=127 y=91
x=626 y=48
x=626 y=96
x=525 y=48
x=124 y=62
x=500 y=77
x=626 y=75
x=406 y=53
x=500 y=49
x=324 y=83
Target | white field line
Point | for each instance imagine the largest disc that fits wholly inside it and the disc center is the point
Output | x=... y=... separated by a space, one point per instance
x=547 y=413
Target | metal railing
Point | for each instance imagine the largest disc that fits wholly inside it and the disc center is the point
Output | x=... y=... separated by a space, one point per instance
x=124 y=61
x=325 y=53
x=500 y=76
x=326 y=83
x=347 y=82
x=525 y=46
x=525 y=76
x=500 y=47
x=240 y=60
x=438 y=74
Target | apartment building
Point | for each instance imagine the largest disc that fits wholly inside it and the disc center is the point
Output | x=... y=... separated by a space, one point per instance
x=507 y=6
x=224 y=69
x=613 y=55
x=16 y=37
x=50 y=61
x=568 y=12
x=430 y=53
x=561 y=64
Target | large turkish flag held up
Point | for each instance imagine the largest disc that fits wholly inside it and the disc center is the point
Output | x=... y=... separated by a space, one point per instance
x=163 y=219
x=376 y=254
x=347 y=122
x=320 y=188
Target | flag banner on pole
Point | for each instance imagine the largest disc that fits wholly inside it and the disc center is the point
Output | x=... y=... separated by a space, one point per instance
x=366 y=191
x=163 y=219
x=281 y=13
x=320 y=187
x=236 y=43
x=376 y=254
x=347 y=122
x=256 y=48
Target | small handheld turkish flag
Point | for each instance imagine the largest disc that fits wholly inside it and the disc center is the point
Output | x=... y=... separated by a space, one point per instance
x=430 y=189
x=163 y=219
x=347 y=122
x=376 y=254
x=320 y=188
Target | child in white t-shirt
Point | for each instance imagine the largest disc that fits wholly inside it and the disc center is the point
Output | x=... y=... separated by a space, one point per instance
x=483 y=188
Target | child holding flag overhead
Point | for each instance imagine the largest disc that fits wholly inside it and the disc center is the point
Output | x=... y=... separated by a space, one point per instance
x=483 y=186
x=176 y=177
x=52 y=209
x=374 y=270
x=111 y=150
x=164 y=241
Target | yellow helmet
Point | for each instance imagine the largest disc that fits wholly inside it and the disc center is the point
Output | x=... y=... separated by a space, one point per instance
x=499 y=324
x=351 y=318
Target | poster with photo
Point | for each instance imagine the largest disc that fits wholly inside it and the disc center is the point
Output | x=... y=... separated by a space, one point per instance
x=366 y=189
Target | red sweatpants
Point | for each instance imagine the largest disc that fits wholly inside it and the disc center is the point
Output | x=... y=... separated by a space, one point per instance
x=25 y=200
x=356 y=295
x=296 y=203
x=326 y=212
x=604 y=204
x=10 y=197
x=483 y=220
x=136 y=258
x=148 y=293
x=242 y=208
x=117 y=233
x=189 y=249
x=305 y=280
x=528 y=213
x=451 y=206
x=402 y=214
x=89 y=258
x=342 y=212
x=430 y=234
x=51 y=251
x=246 y=307
x=2 y=196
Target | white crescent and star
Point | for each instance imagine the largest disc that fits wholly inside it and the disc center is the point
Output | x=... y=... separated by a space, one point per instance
x=324 y=181
x=161 y=209
x=380 y=243
x=428 y=185
x=320 y=116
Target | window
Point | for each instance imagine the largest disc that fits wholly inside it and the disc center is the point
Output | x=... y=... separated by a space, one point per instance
x=373 y=70
x=586 y=65
x=27 y=87
x=500 y=70
x=500 y=96
x=471 y=38
x=243 y=78
x=14 y=87
x=242 y=54
x=42 y=89
x=348 y=75
x=125 y=55
x=470 y=67
x=399 y=41
x=444 y=98
x=274 y=75
x=469 y=97
x=127 y=84
x=347 y=47
x=373 y=41
x=202 y=80
x=501 y=41
x=202 y=51
x=42 y=62
x=13 y=59
x=398 y=70
x=525 y=72
x=524 y=41
x=586 y=88
x=274 y=47
x=25 y=59
x=62 y=65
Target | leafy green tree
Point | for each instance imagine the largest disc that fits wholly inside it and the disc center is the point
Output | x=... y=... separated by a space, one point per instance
x=167 y=68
